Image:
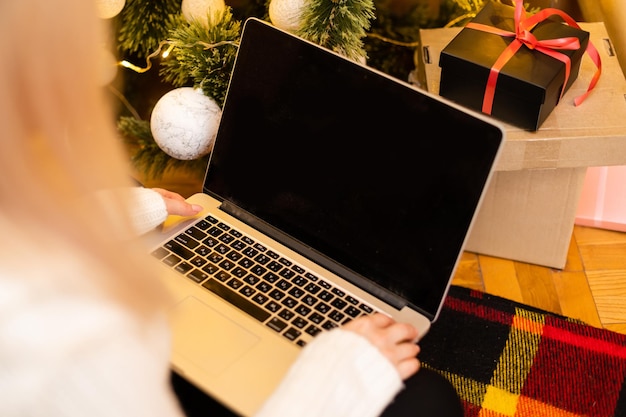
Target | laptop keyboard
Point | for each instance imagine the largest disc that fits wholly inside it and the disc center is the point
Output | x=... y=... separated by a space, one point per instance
x=260 y=281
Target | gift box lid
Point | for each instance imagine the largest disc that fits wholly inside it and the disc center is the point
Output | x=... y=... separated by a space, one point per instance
x=528 y=73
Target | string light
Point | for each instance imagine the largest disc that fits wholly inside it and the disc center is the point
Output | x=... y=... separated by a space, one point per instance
x=131 y=66
x=166 y=53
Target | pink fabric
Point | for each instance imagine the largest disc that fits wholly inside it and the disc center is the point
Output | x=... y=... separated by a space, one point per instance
x=603 y=199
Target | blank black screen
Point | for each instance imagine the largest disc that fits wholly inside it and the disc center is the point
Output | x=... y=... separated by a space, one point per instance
x=369 y=171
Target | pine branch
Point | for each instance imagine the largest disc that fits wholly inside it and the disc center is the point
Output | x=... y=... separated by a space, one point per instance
x=203 y=56
x=395 y=37
x=144 y=24
x=146 y=156
x=339 y=25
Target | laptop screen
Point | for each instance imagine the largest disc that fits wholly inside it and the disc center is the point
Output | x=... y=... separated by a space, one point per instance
x=368 y=171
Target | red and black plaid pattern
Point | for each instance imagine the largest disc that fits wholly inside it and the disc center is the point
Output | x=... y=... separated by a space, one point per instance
x=510 y=360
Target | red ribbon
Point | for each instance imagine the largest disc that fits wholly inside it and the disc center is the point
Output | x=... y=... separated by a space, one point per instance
x=523 y=36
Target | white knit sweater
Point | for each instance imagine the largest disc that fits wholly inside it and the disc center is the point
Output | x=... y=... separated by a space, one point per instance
x=68 y=353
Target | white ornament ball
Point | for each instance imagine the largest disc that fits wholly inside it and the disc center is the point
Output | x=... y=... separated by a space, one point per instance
x=109 y=8
x=184 y=123
x=287 y=14
x=201 y=9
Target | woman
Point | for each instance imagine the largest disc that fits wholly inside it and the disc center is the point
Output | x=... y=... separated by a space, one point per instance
x=82 y=326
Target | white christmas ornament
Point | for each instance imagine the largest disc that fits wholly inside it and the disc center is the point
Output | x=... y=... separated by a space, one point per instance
x=200 y=9
x=184 y=123
x=287 y=14
x=109 y=8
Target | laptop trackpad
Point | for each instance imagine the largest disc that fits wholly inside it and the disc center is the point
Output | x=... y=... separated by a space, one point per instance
x=207 y=338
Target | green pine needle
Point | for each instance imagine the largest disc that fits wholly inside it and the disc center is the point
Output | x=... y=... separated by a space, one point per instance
x=338 y=25
x=143 y=25
x=201 y=56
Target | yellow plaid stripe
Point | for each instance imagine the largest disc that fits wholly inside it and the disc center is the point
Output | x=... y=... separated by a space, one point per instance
x=501 y=397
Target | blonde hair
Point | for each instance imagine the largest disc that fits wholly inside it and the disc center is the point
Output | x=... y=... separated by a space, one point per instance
x=59 y=143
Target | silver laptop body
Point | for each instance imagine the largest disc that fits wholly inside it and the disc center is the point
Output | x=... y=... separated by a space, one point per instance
x=325 y=173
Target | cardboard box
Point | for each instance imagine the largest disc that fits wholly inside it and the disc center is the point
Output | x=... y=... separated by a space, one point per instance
x=529 y=211
x=528 y=86
x=528 y=216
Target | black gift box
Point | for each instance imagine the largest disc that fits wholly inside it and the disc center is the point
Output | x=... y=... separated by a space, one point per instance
x=529 y=85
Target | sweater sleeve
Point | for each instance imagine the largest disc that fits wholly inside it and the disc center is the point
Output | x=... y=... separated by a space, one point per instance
x=68 y=356
x=338 y=374
x=149 y=210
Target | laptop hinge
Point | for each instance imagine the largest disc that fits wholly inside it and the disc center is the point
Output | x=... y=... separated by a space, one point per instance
x=392 y=299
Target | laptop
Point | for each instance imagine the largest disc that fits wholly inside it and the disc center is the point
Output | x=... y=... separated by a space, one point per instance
x=332 y=191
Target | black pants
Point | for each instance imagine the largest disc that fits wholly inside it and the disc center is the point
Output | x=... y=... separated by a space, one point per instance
x=426 y=394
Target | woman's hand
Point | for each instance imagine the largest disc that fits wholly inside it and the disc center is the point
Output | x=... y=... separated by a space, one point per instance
x=396 y=341
x=176 y=204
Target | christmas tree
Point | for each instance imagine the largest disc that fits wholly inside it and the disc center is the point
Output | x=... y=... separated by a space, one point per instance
x=167 y=45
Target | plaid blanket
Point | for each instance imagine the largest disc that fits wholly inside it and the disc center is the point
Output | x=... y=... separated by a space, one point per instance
x=508 y=359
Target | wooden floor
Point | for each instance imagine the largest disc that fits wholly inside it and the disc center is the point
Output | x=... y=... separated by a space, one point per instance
x=591 y=287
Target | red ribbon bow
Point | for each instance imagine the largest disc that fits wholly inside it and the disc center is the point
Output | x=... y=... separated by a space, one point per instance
x=523 y=36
